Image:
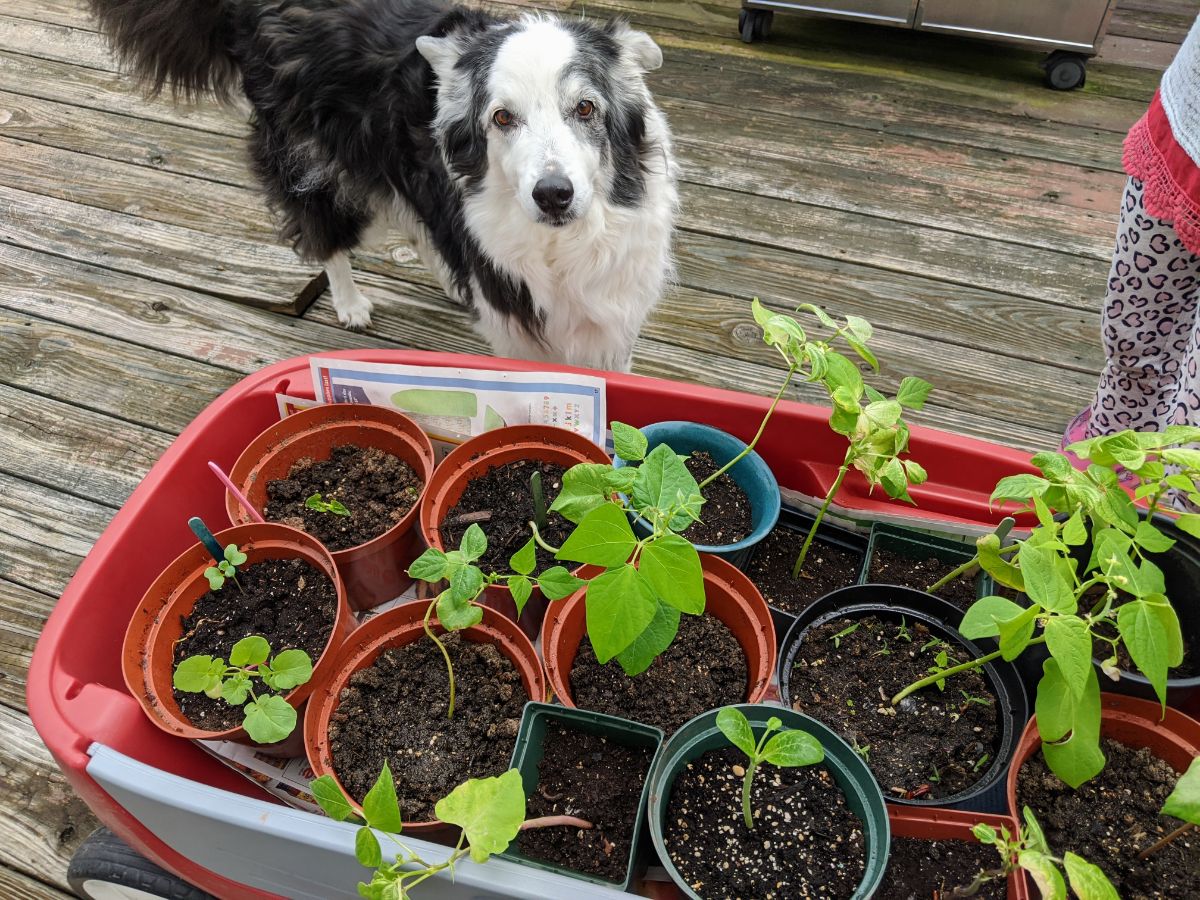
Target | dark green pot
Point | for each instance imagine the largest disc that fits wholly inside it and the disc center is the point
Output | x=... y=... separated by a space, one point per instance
x=701 y=735
x=919 y=545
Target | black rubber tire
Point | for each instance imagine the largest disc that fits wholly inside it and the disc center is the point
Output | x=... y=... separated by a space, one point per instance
x=762 y=24
x=104 y=858
x=1066 y=72
x=746 y=25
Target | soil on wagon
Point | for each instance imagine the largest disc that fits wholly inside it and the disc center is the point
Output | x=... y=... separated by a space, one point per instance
x=588 y=776
x=726 y=516
x=1113 y=817
x=827 y=568
x=704 y=668
x=922 y=870
x=896 y=568
x=377 y=488
x=287 y=601
x=935 y=743
x=501 y=503
x=395 y=710
x=806 y=842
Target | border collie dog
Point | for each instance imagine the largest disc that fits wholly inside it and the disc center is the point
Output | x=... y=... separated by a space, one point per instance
x=525 y=160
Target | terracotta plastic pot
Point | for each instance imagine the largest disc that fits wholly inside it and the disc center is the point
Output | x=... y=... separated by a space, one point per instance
x=932 y=823
x=376 y=571
x=147 y=656
x=397 y=627
x=729 y=595
x=1174 y=738
x=476 y=458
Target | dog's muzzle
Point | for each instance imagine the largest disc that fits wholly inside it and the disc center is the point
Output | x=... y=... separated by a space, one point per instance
x=553 y=195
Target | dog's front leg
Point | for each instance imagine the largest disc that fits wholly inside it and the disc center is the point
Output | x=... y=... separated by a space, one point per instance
x=352 y=307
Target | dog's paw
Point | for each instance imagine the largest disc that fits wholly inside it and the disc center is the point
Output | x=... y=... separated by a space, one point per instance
x=355 y=313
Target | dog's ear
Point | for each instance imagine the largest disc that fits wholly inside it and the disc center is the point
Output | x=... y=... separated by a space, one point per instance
x=639 y=48
x=441 y=53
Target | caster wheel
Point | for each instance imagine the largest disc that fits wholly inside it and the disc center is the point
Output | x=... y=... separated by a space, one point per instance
x=755 y=24
x=1065 y=71
x=106 y=868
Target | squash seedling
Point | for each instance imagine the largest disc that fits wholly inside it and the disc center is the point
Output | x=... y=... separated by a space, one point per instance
x=268 y=718
x=787 y=749
x=331 y=506
x=226 y=568
x=490 y=812
x=1183 y=803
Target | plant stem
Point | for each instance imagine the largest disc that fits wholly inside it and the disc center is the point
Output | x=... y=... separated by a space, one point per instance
x=746 y=783
x=957 y=573
x=955 y=670
x=540 y=541
x=984 y=876
x=761 y=428
x=1181 y=830
x=552 y=821
x=539 y=499
x=812 y=532
x=445 y=654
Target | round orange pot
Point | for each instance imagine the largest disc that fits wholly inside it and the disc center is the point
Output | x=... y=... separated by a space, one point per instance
x=478 y=456
x=728 y=594
x=147 y=656
x=397 y=627
x=376 y=571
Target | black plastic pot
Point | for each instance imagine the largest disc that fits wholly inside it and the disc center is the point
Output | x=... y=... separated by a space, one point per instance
x=918 y=545
x=891 y=602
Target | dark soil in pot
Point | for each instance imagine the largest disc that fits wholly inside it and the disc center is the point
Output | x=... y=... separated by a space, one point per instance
x=1113 y=817
x=501 y=503
x=395 y=709
x=377 y=488
x=588 y=776
x=725 y=517
x=806 y=842
x=1189 y=668
x=826 y=569
x=287 y=601
x=895 y=568
x=935 y=743
x=704 y=668
x=926 y=870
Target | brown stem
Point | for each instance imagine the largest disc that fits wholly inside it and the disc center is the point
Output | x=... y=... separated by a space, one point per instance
x=551 y=821
x=1181 y=830
x=981 y=878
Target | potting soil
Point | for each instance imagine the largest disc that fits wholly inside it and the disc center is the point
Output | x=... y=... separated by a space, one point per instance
x=888 y=567
x=726 y=516
x=920 y=869
x=826 y=568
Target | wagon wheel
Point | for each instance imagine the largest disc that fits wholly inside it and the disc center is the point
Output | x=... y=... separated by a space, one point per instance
x=106 y=868
x=1065 y=71
x=755 y=24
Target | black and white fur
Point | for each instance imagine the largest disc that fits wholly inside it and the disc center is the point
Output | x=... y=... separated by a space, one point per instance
x=524 y=159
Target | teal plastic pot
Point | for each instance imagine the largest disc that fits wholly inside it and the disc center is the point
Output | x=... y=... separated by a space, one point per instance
x=752 y=475
x=701 y=735
x=527 y=756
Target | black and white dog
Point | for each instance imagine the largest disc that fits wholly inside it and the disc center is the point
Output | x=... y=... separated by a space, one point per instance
x=525 y=159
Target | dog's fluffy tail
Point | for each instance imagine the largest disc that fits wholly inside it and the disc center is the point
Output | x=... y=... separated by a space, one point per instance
x=180 y=44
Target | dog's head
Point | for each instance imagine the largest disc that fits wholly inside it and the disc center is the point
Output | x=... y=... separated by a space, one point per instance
x=552 y=111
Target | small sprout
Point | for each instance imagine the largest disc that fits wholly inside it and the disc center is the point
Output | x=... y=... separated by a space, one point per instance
x=883 y=651
x=970 y=698
x=226 y=568
x=979 y=763
x=786 y=749
x=268 y=718
x=837 y=638
x=326 y=506
x=903 y=632
x=864 y=750
x=936 y=777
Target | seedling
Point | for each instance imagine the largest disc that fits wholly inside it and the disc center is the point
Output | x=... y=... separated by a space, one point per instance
x=786 y=749
x=903 y=632
x=268 y=717
x=980 y=763
x=331 y=506
x=490 y=812
x=936 y=777
x=539 y=500
x=1028 y=850
x=848 y=630
x=1183 y=803
x=970 y=698
x=226 y=568
x=864 y=750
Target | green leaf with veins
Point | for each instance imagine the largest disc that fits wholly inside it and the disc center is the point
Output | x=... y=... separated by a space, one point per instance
x=249 y=651
x=655 y=639
x=1045 y=581
x=620 y=605
x=474 y=543
x=603 y=538
x=557 y=583
x=455 y=614
x=1144 y=629
x=982 y=618
x=1151 y=539
x=1070 y=643
x=290 y=669
x=429 y=566
x=236 y=689
x=1015 y=633
x=366 y=848
x=1184 y=801
x=380 y=807
x=197 y=674
x=1088 y=881
x=736 y=728
x=524 y=561
x=1035 y=838
x=1044 y=873
x=586 y=486
x=629 y=443
x=672 y=568
x=913 y=392
x=793 y=748
x=465 y=583
x=1069 y=726
x=269 y=719
x=330 y=798
x=661 y=481
x=489 y=811
x=1189 y=524
x=522 y=589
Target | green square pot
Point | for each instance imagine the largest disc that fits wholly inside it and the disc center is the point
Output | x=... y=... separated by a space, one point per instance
x=527 y=756
x=913 y=544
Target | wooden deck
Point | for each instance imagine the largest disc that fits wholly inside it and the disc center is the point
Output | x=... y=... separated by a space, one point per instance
x=929 y=184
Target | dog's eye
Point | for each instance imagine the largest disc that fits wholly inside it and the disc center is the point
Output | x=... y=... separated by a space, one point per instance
x=585 y=109
x=502 y=117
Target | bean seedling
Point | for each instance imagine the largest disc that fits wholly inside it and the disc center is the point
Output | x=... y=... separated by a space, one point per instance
x=226 y=568
x=335 y=507
x=787 y=749
x=268 y=717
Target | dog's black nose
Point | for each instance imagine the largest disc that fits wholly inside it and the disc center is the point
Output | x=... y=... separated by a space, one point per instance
x=553 y=194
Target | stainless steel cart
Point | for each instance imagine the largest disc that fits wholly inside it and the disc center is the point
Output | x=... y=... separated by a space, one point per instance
x=1070 y=29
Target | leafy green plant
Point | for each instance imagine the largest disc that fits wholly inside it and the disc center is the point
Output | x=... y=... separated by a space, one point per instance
x=226 y=568
x=335 y=507
x=1028 y=850
x=268 y=717
x=1183 y=803
x=490 y=812
x=788 y=749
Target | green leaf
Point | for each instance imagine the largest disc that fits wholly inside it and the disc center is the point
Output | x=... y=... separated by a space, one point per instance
x=466 y=582
x=586 y=486
x=859 y=327
x=233 y=555
x=662 y=481
x=603 y=538
x=1074 y=532
x=793 y=748
x=620 y=480
x=620 y=605
x=1151 y=539
x=366 y=848
x=1185 y=457
x=1015 y=633
x=1046 y=583
x=1069 y=726
x=736 y=728
x=522 y=589
x=1189 y=524
x=291 y=668
x=913 y=392
x=329 y=796
x=1070 y=643
x=982 y=618
x=236 y=689
x=657 y=637
x=1044 y=873
x=1184 y=800
x=489 y=811
x=429 y=566
x=1019 y=487
x=915 y=472
x=671 y=566
x=455 y=614
x=380 y=807
x=269 y=719
x=1144 y=631
x=215 y=579
x=628 y=442
x=1088 y=881
x=197 y=674
x=1035 y=838
x=474 y=542
x=996 y=565
x=524 y=561
x=557 y=583
x=863 y=351
x=984 y=833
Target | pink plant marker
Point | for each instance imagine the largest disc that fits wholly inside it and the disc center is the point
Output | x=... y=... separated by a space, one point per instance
x=237 y=495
